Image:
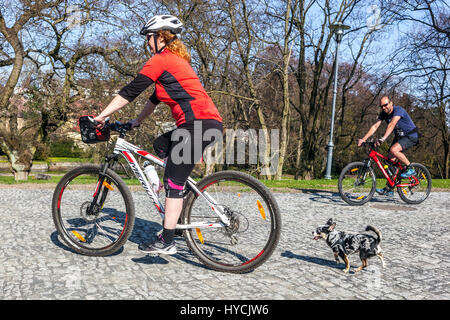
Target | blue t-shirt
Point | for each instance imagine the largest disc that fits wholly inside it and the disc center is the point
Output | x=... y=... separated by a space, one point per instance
x=404 y=125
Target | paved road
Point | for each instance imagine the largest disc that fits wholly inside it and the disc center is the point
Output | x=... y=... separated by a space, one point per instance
x=34 y=264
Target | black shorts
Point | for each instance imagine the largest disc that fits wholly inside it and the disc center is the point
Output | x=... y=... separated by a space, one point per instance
x=406 y=142
x=183 y=147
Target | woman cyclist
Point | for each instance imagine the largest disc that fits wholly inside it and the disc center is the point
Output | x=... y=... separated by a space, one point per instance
x=178 y=86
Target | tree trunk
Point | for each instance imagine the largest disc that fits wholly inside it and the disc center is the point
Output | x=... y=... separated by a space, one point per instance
x=18 y=140
x=286 y=103
x=245 y=55
x=298 y=155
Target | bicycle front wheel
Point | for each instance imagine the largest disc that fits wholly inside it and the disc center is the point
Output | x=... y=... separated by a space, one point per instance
x=356 y=183
x=420 y=189
x=93 y=214
x=255 y=225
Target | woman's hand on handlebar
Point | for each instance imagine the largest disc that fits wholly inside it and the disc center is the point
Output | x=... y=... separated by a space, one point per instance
x=101 y=121
x=361 y=142
x=134 y=123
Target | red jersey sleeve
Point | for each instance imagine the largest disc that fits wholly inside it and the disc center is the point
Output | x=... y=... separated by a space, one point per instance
x=153 y=68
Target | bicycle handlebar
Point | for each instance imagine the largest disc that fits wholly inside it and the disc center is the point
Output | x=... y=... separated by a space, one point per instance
x=117 y=126
x=120 y=127
x=370 y=144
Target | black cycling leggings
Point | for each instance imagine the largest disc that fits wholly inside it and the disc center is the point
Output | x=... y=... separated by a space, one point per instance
x=183 y=148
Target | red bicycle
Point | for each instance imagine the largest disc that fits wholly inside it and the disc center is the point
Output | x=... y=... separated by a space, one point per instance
x=357 y=181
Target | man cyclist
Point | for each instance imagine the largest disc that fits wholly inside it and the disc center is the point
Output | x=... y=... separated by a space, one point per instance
x=178 y=86
x=406 y=136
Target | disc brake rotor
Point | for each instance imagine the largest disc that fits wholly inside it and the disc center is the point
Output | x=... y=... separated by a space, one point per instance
x=89 y=214
x=238 y=224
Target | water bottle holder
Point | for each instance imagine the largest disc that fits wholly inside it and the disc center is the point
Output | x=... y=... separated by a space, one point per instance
x=152 y=177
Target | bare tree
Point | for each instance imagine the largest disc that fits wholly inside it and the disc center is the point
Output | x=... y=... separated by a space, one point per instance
x=48 y=30
x=17 y=133
x=426 y=60
x=314 y=73
x=240 y=19
x=281 y=14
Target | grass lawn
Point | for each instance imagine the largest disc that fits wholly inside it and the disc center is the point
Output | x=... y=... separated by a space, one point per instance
x=320 y=184
x=323 y=184
x=65 y=159
x=3 y=159
x=302 y=184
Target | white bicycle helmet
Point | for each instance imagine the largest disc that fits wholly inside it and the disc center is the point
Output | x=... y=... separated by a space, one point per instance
x=162 y=22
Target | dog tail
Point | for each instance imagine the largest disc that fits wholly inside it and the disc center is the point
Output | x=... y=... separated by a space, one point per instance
x=374 y=229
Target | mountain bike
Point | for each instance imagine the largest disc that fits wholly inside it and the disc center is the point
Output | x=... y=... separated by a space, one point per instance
x=357 y=180
x=230 y=221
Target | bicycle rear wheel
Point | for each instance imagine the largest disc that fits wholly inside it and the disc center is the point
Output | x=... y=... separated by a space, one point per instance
x=418 y=193
x=356 y=183
x=93 y=214
x=255 y=222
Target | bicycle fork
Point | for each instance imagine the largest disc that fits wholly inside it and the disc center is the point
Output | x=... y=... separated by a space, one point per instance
x=103 y=186
x=365 y=171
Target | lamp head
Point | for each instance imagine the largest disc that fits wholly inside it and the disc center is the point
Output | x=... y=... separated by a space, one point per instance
x=338 y=28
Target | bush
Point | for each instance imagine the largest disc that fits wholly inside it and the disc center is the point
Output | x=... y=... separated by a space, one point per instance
x=64 y=148
x=42 y=152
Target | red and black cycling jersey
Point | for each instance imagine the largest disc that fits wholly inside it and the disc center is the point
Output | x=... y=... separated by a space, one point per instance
x=177 y=85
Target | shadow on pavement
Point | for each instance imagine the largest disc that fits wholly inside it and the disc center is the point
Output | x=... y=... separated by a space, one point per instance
x=326 y=196
x=315 y=260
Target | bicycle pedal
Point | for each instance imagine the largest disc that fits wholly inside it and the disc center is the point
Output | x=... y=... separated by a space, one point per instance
x=152 y=254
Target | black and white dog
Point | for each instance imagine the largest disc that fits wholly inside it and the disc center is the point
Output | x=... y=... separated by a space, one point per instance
x=344 y=244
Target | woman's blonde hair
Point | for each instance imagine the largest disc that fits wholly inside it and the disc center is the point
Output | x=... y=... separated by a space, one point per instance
x=176 y=46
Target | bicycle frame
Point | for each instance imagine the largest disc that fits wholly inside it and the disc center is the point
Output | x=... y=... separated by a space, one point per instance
x=128 y=151
x=374 y=156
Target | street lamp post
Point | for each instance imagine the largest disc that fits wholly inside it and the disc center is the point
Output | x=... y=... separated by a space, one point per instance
x=338 y=30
